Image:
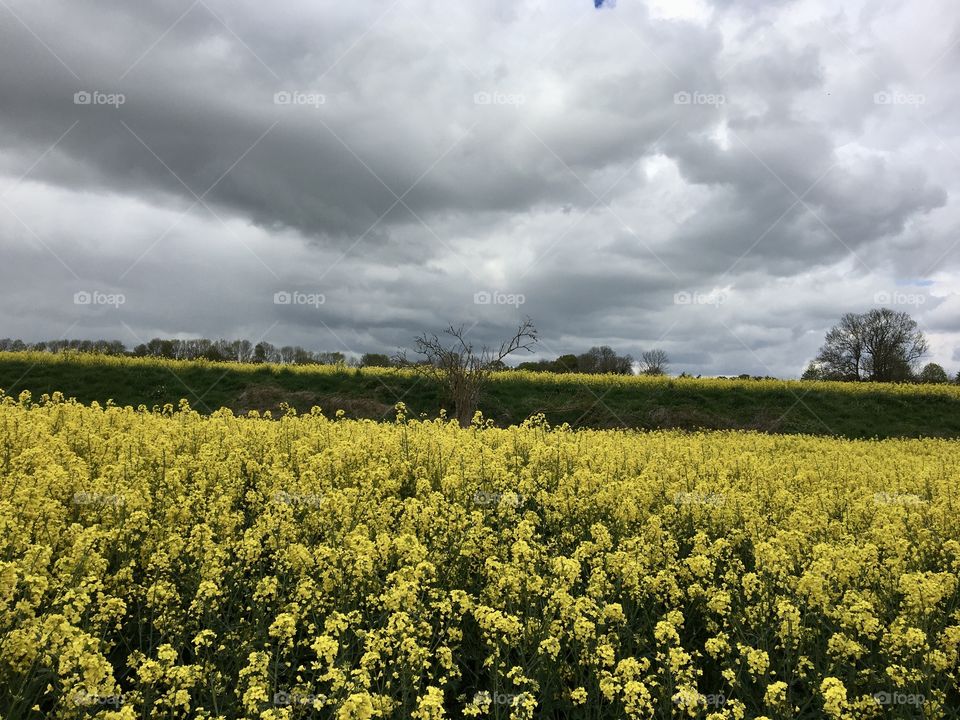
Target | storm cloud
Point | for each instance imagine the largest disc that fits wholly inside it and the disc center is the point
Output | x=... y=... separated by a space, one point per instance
x=721 y=180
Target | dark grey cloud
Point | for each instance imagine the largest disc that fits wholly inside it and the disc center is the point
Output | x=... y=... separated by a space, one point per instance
x=722 y=180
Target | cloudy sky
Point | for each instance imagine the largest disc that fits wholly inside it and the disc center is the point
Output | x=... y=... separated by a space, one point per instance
x=721 y=180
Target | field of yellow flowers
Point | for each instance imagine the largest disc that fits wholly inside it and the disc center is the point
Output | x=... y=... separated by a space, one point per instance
x=163 y=564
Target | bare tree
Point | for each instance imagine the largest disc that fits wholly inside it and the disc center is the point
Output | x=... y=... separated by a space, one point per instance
x=244 y=350
x=881 y=344
x=843 y=353
x=460 y=369
x=893 y=344
x=654 y=362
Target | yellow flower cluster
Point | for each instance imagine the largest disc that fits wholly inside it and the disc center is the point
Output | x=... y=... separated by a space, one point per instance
x=166 y=564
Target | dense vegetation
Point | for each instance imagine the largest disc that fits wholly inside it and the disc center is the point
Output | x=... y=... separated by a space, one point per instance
x=173 y=565
x=849 y=409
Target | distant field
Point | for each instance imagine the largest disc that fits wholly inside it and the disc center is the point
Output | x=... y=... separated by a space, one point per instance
x=851 y=410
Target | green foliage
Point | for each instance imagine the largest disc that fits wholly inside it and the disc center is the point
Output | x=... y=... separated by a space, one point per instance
x=933 y=373
x=375 y=360
x=858 y=410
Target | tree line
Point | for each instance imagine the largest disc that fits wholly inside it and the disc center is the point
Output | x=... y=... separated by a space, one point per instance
x=193 y=349
x=880 y=345
x=602 y=360
x=596 y=360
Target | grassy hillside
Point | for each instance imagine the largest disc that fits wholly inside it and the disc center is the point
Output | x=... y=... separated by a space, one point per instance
x=862 y=410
